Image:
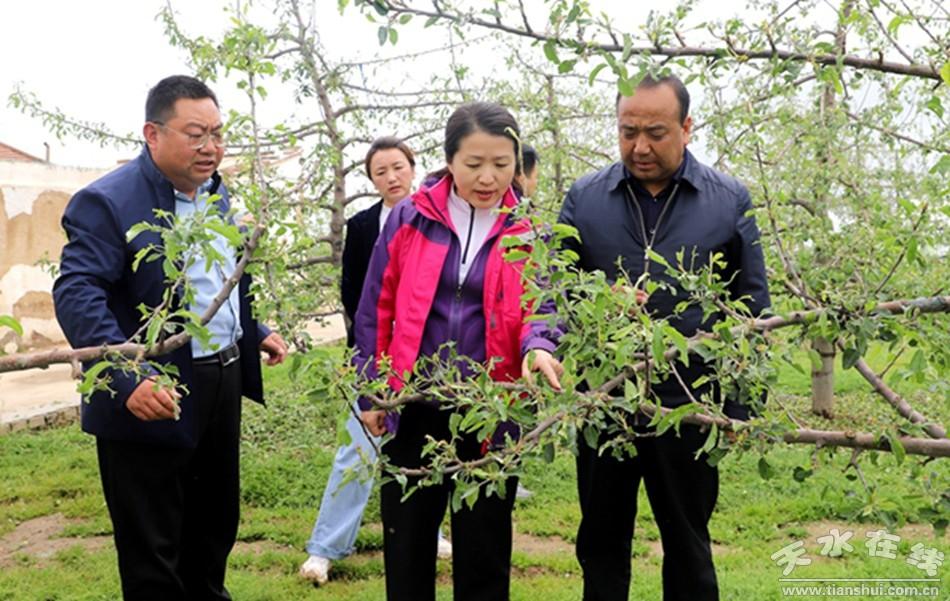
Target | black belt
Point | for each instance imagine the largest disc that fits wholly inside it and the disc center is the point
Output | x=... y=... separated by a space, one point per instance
x=224 y=357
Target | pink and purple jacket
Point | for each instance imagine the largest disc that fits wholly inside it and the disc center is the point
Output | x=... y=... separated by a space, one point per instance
x=413 y=302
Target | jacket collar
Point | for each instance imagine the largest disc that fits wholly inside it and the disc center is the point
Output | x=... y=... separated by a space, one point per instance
x=688 y=171
x=433 y=201
x=167 y=191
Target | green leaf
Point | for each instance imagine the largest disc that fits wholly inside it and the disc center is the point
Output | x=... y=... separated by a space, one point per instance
x=897 y=447
x=942 y=166
x=594 y=72
x=659 y=347
x=629 y=390
x=945 y=73
x=918 y=362
x=625 y=87
x=7 y=321
x=716 y=455
x=566 y=66
x=230 y=232
x=801 y=474
x=383 y=34
x=90 y=376
x=550 y=51
x=405 y=19
x=935 y=106
x=343 y=437
x=393 y=36
x=896 y=23
x=591 y=436
x=454 y=420
x=711 y=439
x=627 y=47
x=137 y=229
x=765 y=469
x=655 y=256
x=849 y=358
x=679 y=341
x=675 y=417
x=547 y=452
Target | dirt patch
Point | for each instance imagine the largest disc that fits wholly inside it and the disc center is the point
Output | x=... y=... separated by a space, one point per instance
x=655 y=548
x=40 y=539
x=541 y=545
x=915 y=533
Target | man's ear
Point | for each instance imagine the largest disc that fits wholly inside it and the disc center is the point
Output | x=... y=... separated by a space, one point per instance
x=687 y=129
x=150 y=132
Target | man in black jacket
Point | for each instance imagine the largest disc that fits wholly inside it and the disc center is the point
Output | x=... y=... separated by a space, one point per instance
x=659 y=197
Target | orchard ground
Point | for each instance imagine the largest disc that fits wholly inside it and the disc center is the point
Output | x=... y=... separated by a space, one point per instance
x=55 y=541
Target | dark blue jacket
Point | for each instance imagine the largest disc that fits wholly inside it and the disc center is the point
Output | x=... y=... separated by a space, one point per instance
x=362 y=230
x=97 y=296
x=709 y=214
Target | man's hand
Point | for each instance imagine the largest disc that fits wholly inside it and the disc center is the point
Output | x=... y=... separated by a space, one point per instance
x=640 y=295
x=275 y=347
x=150 y=402
x=373 y=420
x=543 y=361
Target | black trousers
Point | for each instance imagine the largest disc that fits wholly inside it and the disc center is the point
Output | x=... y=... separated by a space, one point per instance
x=481 y=535
x=175 y=511
x=682 y=493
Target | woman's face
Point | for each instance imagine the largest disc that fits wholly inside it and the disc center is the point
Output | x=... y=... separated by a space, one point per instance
x=529 y=182
x=391 y=174
x=483 y=168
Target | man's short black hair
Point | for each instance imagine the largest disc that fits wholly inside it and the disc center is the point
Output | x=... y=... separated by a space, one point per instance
x=679 y=88
x=160 y=104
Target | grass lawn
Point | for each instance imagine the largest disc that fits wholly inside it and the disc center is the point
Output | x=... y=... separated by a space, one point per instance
x=55 y=543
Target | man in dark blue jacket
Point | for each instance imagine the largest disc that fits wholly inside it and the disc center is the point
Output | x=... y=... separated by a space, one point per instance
x=168 y=456
x=659 y=197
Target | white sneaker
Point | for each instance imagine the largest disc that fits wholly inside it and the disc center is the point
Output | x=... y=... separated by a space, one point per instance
x=316 y=569
x=444 y=549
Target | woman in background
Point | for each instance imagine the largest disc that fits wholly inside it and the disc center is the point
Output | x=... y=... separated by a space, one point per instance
x=390 y=164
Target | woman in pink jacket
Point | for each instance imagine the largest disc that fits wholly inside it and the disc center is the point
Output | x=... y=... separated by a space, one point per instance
x=437 y=275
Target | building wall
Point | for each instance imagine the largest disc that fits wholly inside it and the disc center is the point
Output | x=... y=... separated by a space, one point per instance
x=32 y=198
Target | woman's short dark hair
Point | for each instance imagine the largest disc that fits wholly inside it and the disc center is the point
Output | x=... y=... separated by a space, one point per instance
x=385 y=143
x=489 y=117
x=160 y=104
x=529 y=159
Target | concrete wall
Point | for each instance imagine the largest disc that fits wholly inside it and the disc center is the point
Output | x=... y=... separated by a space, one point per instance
x=32 y=198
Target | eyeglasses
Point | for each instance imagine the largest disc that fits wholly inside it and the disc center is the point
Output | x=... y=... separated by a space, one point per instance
x=197 y=141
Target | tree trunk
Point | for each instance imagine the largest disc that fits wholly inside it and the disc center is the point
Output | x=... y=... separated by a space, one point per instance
x=823 y=379
x=555 y=129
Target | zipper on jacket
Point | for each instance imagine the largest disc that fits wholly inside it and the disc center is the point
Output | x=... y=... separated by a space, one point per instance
x=649 y=240
x=454 y=318
x=468 y=240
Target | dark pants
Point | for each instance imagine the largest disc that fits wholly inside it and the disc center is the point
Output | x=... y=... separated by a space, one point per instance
x=682 y=493
x=481 y=536
x=175 y=511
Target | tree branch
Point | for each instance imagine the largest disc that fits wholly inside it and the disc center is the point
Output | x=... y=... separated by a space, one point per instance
x=873 y=64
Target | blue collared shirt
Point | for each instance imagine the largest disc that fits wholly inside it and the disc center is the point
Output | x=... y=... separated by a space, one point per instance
x=225 y=326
